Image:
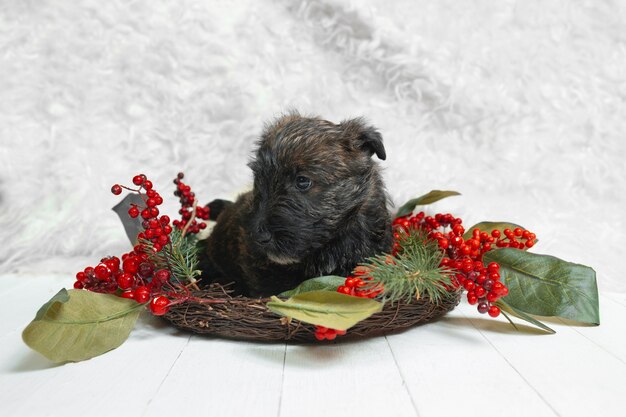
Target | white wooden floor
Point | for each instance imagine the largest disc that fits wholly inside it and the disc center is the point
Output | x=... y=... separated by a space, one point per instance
x=463 y=365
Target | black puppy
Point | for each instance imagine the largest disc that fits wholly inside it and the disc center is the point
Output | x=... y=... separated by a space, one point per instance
x=318 y=207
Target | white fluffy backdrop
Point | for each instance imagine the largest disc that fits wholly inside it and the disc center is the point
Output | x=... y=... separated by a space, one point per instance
x=519 y=105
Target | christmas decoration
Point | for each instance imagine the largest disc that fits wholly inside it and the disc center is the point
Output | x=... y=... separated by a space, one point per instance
x=433 y=261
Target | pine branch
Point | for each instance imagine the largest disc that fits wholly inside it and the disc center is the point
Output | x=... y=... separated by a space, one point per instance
x=180 y=257
x=412 y=273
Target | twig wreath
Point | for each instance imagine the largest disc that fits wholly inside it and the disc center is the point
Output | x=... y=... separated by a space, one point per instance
x=434 y=261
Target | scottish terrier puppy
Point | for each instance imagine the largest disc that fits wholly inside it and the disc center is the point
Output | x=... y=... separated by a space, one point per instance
x=318 y=207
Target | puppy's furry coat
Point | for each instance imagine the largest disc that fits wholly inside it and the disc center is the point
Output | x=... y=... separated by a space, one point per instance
x=318 y=207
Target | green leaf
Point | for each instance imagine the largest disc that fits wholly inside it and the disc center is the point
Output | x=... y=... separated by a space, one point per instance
x=547 y=286
x=327 y=283
x=76 y=325
x=488 y=227
x=431 y=197
x=326 y=308
x=506 y=308
x=61 y=297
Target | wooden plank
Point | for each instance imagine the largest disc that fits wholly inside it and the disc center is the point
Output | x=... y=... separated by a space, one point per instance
x=345 y=379
x=605 y=336
x=28 y=294
x=13 y=283
x=220 y=378
x=451 y=370
x=571 y=373
x=120 y=382
x=618 y=297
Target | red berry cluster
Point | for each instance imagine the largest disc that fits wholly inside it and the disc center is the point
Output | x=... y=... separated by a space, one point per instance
x=465 y=256
x=135 y=278
x=352 y=286
x=187 y=199
x=322 y=333
x=156 y=229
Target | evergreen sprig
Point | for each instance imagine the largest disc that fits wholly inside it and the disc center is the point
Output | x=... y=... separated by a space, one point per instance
x=180 y=257
x=414 y=271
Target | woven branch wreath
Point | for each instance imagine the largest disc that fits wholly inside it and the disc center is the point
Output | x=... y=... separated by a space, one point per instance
x=433 y=261
x=243 y=318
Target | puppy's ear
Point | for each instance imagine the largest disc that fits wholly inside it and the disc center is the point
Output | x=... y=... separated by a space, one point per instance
x=365 y=137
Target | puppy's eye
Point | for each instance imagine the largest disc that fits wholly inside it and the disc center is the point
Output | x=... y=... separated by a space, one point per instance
x=303 y=183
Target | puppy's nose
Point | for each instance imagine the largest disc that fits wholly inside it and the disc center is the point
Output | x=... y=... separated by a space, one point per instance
x=263 y=236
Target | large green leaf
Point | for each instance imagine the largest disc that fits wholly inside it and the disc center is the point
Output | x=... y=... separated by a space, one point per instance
x=506 y=308
x=548 y=286
x=76 y=325
x=431 y=197
x=326 y=308
x=327 y=282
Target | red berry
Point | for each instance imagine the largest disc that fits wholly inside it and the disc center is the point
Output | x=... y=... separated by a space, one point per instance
x=133 y=212
x=113 y=264
x=495 y=233
x=138 y=179
x=494 y=276
x=162 y=275
x=480 y=292
x=493 y=267
x=344 y=290
x=494 y=311
x=125 y=281
x=142 y=294
x=128 y=294
x=130 y=265
x=147 y=184
x=102 y=272
x=145 y=270
x=472 y=299
x=116 y=189
x=518 y=231
x=458 y=230
x=483 y=308
x=159 y=305
x=78 y=285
